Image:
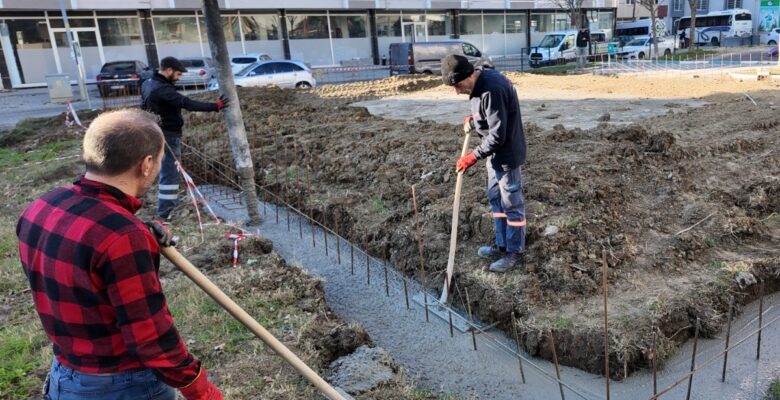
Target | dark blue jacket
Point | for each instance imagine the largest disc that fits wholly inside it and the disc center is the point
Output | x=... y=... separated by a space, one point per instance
x=159 y=96
x=496 y=112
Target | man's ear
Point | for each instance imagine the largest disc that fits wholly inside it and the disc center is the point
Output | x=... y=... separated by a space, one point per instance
x=146 y=167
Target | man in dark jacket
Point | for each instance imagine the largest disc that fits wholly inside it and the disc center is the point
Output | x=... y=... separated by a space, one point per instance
x=495 y=115
x=583 y=40
x=159 y=96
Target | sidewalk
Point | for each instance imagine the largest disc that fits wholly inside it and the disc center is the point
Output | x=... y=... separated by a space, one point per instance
x=18 y=104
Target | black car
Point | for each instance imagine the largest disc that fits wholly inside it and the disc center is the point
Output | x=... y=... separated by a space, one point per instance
x=121 y=78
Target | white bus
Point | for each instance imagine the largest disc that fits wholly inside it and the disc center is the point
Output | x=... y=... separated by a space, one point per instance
x=628 y=31
x=711 y=28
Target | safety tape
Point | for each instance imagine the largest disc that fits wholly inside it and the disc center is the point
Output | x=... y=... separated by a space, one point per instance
x=237 y=237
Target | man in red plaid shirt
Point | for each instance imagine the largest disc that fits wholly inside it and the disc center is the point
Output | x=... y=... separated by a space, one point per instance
x=93 y=269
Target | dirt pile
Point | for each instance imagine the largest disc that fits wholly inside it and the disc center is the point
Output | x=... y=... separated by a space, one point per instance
x=627 y=192
x=379 y=88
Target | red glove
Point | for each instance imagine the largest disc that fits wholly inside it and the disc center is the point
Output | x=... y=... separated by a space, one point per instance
x=465 y=162
x=201 y=389
x=222 y=102
x=468 y=124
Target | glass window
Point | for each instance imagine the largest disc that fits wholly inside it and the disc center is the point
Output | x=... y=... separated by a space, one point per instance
x=29 y=33
x=281 y=68
x=562 y=22
x=123 y=67
x=262 y=70
x=414 y=17
x=73 y=22
x=243 y=60
x=542 y=23
x=348 y=26
x=175 y=30
x=260 y=27
x=438 y=24
x=470 y=24
x=194 y=63
x=470 y=50
x=230 y=27
x=388 y=25
x=308 y=26
x=119 y=31
x=515 y=23
x=492 y=24
x=605 y=19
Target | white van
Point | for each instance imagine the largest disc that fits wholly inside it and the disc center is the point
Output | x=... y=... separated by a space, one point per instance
x=560 y=47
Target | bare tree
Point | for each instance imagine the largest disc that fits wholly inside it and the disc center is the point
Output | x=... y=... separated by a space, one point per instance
x=652 y=6
x=573 y=9
x=694 y=4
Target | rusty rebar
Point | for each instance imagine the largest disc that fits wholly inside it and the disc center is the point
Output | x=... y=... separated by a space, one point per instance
x=311 y=207
x=368 y=270
x=406 y=294
x=449 y=314
x=655 y=360
x=422 y=259
x=555 y=361
x=693 y=358
x=352 y=258
x=728 y=338
x=336 y=218
x=471 y=320
x=387 y=283
x=604 y=274
x=760 y=319
x=517 y=346
x=325 y=232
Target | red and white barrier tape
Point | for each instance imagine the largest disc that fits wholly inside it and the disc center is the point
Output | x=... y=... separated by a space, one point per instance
x=70 y=111
x=236 y=238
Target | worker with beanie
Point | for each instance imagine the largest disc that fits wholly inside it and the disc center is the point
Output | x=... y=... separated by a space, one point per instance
x=495 y=116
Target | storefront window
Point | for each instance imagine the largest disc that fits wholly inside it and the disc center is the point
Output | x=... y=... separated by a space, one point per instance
x=493 y=24
x=414 y=17
x=260 y=27
x=388 y=25
x=515 y=23
x=562 y=22
x=119 y=31
x=29 y=33
x=470 y=24
x=348 y=26
x=174 y=30
x=73 y=22
x=308 y=26
x=438 y=24
x=230 y=27
x=541 y=23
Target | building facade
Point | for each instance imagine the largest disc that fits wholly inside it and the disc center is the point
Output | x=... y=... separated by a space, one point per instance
x=318 y=32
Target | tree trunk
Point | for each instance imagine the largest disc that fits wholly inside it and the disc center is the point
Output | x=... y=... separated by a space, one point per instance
x=653 y=33
x=233 y=118
x=692 y=37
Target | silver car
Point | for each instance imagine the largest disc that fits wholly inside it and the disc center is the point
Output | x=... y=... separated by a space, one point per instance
x=283 y=73
x=200 y=70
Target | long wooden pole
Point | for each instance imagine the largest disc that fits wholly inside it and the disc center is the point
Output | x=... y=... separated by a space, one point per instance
x=242 y=316
x=454 y=232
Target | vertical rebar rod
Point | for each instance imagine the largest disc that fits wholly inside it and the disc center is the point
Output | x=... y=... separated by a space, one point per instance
x=655 y=361
x=517 y=346
x=555 y=361
x=728 y=338
x=336 y=218
x=368 y=270
x=472 y=328
x=325 y=232
x=693 y=358
x=286 y=191
x=300 y=210
x=406 y=294
x=449 y=314
x=387 y=282
x=311 y=208
x=352 y=258
x=760 y=318
x=420 y=246
x=604 y=274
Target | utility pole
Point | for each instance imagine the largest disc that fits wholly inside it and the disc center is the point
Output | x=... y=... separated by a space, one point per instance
x=233 y=118
x=75 y=54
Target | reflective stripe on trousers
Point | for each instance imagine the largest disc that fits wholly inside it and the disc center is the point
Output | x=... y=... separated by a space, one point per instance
x=505 y=194
x=168 y=198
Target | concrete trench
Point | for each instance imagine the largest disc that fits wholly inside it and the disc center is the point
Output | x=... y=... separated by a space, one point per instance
x=451 y=365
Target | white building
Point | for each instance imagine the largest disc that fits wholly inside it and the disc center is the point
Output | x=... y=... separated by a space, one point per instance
x=319 y=32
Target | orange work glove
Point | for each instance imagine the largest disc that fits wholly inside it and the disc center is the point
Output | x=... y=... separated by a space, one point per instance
x=201 y=389
x=465 y=162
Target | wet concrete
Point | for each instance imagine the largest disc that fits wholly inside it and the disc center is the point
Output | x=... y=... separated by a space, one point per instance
x=451 y=365
x=546 y=109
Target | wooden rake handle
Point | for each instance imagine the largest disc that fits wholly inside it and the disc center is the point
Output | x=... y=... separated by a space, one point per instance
x=242 y=316
x=454 y=232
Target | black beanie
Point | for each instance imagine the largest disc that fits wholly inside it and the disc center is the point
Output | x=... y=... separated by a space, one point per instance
x=455 y=68
x=172 y=62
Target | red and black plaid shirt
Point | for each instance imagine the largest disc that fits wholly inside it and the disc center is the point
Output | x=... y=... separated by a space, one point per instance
x=92 y=267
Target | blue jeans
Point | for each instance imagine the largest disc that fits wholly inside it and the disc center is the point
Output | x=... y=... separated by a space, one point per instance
x=505 y=194
x=67 y=384
x=168 y=198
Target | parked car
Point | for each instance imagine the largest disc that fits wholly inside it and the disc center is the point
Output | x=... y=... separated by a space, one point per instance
x=120 y=77
x=773 y=37
x=238 y=63
x=642 y=48
x=772 y=52
x=282 y=73
x=425 y=57
x=200 y=70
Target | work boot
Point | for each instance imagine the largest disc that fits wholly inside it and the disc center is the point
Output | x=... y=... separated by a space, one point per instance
x=507 y=263
x=491 y=252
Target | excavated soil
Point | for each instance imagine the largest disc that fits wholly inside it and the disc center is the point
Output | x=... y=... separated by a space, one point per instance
x=631 y=192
